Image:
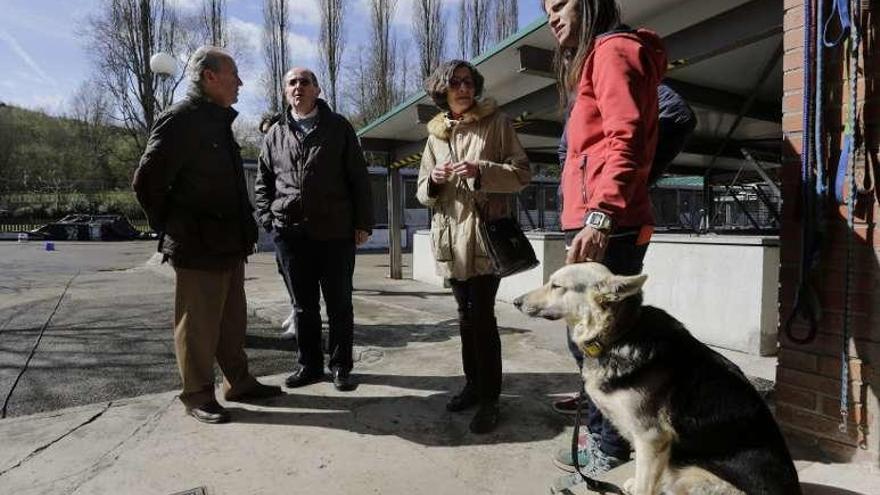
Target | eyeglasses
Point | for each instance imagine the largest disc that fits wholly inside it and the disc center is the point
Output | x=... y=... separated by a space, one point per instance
x=455 y=83
x=302 y=81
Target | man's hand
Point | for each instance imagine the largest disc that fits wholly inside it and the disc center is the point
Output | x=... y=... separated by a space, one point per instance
x=441 y=173
x=588 y=245
x=466 y=169
x=360 y=237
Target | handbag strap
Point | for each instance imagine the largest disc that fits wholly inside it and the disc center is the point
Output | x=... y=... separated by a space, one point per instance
x=471 y=192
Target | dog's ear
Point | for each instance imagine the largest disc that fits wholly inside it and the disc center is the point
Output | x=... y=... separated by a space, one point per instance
x=617 y=287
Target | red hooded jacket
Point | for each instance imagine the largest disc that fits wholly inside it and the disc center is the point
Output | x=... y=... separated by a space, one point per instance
x=612 y=131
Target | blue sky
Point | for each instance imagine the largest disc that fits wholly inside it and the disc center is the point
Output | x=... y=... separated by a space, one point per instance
x=43 y=58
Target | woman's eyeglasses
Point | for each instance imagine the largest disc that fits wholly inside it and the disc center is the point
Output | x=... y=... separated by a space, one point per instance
x=455 y=83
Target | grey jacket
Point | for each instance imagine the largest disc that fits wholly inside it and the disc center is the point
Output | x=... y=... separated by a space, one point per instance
x=316 y=182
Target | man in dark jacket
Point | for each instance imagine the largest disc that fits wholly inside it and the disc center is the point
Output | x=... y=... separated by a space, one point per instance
x=313 y=191
x=191 y=185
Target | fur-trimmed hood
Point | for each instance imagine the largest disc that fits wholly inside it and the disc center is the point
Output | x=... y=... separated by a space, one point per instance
x=441 y=124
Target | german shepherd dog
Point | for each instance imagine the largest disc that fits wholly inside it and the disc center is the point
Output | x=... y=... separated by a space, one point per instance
x=696 y=423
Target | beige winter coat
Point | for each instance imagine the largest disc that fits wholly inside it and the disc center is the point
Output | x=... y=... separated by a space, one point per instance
x=485 y=136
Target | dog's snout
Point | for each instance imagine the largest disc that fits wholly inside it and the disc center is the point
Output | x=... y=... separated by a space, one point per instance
x=518 y=302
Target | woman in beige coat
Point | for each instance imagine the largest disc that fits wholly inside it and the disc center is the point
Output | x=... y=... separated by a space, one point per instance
x=471 y=163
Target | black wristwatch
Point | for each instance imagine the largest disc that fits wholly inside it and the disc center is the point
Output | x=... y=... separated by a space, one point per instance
x=599 y=221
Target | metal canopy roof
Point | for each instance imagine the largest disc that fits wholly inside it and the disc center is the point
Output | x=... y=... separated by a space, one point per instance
x=718 y=51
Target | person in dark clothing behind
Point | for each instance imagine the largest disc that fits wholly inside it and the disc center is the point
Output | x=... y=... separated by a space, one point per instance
x=190 y=182
x=313 y=191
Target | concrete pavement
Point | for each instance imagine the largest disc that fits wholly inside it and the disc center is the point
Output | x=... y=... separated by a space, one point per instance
x=390 y=436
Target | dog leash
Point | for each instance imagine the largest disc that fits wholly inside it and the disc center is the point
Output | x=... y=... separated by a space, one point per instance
x=593 y=484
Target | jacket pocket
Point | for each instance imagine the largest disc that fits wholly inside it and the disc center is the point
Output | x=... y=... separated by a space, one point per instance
x=441 y=239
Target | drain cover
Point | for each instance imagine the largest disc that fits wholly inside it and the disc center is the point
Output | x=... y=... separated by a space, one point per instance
x=193 y=491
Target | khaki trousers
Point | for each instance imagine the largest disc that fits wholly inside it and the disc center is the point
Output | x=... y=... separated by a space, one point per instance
x=210 y=321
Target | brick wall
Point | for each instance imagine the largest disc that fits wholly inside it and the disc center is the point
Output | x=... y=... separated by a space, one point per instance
x=808 y=376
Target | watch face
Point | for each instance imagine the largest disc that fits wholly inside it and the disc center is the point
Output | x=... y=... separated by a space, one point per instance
x=598 y=220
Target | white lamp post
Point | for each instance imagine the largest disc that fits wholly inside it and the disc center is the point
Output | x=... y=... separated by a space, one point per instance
x=163 y=64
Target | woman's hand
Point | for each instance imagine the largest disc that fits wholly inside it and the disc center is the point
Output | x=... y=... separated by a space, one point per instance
x=441 y=173
x=588 y=245
x=466 y=169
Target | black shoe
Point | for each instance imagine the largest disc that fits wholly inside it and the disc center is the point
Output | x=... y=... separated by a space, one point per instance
x=258 y=392
x=465 y=399
x=303 y=377
x=486 y=418
x=211 y=412
x=342 y=380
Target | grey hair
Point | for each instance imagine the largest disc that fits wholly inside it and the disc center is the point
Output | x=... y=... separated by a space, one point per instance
x=205 y=58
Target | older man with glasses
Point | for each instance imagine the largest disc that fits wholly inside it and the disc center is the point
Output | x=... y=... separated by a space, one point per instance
x=313 y=192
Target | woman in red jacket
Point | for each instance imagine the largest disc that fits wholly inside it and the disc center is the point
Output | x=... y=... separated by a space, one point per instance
x=608 y=75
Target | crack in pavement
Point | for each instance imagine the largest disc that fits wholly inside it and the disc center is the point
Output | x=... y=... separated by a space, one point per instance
x=114 y=453
x=53 y=442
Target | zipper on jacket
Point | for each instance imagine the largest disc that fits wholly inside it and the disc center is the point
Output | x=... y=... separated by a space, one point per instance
x=584 y=179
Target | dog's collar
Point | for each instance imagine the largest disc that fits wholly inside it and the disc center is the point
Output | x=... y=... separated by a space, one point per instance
x=595 y=348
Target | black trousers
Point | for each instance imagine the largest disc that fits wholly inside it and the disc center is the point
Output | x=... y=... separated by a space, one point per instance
x=623 y=257
x=480 y=342
x=326 y=266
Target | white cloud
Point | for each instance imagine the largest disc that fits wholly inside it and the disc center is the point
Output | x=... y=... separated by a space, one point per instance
x=25 y=57
x=305 y=12
x=187 y=5
x=249 y=38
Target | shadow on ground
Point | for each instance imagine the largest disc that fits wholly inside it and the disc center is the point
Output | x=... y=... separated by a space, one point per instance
x=816 y=489
x=525 y=408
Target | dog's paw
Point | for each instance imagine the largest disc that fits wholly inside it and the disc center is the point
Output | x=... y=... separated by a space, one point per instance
x=629 y=486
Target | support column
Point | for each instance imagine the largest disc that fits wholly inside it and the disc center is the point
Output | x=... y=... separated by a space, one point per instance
x=394 y=215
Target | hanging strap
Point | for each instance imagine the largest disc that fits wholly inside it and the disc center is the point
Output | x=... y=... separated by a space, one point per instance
x=806 y=303
x=840 y=11
x=853 y=74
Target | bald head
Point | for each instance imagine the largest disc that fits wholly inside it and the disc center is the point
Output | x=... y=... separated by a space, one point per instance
x=301 y=89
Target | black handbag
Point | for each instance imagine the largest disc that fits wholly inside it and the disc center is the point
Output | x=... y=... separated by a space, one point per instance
x=507 y=246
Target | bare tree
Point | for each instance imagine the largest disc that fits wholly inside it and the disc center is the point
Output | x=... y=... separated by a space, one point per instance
x=359 y=93
x=506 y=18
x=383 y=62
x=91 y=110
x=332 y=43
x=213 y=22
x=463 y=31
x=429 y=33
x=123 y=36
x=478 y=14
x=276 y=25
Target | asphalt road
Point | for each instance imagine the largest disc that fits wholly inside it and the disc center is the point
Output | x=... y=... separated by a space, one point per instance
x=111 y=337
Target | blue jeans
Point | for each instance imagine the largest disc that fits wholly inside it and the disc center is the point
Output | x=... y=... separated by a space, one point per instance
x=623 y=257
x=313 y=267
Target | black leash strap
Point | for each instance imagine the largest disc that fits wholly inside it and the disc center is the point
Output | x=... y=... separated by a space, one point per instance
x=593 y=484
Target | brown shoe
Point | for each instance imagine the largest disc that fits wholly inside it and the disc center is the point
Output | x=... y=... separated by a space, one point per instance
x=210 y=412
x=258 y=392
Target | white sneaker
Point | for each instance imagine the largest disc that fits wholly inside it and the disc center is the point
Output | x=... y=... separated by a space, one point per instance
x=289 y=326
